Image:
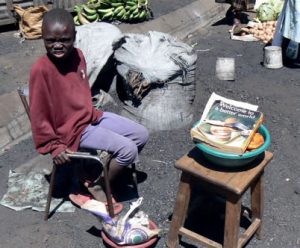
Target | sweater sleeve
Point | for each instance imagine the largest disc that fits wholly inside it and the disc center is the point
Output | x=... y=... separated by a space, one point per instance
x=42 y=115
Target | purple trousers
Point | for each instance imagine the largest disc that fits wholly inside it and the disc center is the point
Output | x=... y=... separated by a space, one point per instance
x=118 y=135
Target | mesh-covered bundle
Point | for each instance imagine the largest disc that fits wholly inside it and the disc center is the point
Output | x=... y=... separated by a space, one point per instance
x=158 y=86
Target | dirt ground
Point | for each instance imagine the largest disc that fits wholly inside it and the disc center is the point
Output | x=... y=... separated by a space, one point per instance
x=277 y=92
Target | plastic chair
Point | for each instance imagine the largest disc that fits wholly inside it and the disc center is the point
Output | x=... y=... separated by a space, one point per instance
x=24 y=93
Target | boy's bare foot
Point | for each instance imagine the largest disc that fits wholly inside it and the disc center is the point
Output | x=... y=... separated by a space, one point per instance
x=96 y=191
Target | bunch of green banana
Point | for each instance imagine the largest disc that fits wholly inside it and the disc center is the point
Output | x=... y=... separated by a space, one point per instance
x=85 y=14
x=138 y=10
x=112 y=10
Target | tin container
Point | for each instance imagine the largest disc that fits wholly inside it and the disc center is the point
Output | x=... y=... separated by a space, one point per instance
x=273 y=57
x=225 y=69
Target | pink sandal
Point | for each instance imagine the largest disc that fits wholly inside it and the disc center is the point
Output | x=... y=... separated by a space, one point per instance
x=84 y=201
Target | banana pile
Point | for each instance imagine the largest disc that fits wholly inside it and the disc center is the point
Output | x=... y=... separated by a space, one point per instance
x=112 y=10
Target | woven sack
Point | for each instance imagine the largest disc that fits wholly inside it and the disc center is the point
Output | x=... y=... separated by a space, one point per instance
x=30 y=23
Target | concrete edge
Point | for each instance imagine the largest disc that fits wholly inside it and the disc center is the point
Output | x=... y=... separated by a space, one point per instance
x=183 y=21
x=180 y=23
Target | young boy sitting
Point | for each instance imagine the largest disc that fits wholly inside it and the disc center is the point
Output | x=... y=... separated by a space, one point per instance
x=63 y=118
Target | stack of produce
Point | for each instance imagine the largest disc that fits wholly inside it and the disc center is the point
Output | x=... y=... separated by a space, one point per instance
x=262 y=30
x=112 y=10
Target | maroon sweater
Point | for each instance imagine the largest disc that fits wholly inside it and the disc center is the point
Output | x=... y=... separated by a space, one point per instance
x=60 y=103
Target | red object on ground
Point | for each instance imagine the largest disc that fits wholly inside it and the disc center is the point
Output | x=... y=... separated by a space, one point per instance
x=142 y=245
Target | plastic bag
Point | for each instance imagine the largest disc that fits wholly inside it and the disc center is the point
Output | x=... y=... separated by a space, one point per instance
x=30 y=23
x=158 y=56
x=101 y=99
x=96 y=40
x=292 y=50
x=131 y=229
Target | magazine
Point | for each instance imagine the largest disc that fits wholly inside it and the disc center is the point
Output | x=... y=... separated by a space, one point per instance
x=227 y=124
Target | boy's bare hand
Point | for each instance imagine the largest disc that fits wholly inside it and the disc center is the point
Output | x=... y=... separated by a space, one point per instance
x=63 y=157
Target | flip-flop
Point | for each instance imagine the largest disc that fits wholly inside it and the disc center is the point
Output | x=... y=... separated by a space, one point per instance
x=83 y=197
x=93 y=187
x=96 y=207
x=86 y=184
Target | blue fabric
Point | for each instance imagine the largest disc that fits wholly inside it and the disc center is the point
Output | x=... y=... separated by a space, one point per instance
x=290 y=28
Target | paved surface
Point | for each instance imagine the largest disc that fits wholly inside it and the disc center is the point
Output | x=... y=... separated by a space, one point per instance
x=178 y=18
x=275 y=91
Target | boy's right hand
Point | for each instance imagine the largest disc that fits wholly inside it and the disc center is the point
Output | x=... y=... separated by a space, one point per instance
x=62 y=158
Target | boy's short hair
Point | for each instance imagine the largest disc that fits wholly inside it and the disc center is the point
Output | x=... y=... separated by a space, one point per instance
x=58 y=16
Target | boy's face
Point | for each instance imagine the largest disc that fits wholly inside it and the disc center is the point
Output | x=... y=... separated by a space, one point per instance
x=58 y=39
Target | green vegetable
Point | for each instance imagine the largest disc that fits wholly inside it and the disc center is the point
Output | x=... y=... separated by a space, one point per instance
x=277 y=5
x=269 y=11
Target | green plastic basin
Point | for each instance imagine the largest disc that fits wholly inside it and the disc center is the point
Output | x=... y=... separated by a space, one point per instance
x=226 y=159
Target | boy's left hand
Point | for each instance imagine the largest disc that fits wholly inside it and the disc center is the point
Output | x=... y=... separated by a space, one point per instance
x=63 y=157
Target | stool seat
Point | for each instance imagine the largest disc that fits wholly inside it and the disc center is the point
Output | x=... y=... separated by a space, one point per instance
x=236 y=181
x=229 y=184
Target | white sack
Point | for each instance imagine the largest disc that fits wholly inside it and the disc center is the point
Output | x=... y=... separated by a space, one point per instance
x=168 y=67
x=159 y=56
x=96 y=42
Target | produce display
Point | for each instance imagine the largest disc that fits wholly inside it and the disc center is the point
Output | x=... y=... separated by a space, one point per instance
x=112 y=10
x=269 y=10
x=263 y=31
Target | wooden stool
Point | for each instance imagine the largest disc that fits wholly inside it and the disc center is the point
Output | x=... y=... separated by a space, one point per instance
x=231 y=185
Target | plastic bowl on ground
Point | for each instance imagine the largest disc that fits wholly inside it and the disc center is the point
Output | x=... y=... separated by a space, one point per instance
x=142 y=245
x=231 y=160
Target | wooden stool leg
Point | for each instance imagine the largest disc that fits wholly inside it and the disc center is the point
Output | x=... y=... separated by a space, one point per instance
x=50 y=191
x=257 y=203
x=180 y=210
x=232 y=222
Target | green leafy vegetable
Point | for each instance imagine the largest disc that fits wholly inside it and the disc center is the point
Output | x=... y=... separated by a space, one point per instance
x=269 y=11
